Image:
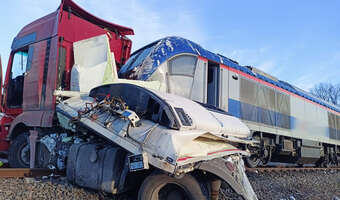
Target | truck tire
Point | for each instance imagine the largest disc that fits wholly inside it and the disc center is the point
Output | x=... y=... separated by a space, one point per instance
x=19 y=152
x=163 y=187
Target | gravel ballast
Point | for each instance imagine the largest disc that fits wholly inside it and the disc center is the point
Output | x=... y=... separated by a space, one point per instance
x=267 y=185
x=291 y=185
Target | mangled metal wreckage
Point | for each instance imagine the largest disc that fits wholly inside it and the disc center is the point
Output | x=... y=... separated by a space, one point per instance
x=135 y=132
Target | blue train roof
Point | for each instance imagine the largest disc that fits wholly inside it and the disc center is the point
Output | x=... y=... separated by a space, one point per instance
x=161 y=50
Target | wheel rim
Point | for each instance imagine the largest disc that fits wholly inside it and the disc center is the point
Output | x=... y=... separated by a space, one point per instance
x=171 y=191
x=24 y=154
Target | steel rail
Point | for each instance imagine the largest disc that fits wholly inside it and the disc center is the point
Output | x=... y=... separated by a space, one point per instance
x=292 y=169
x=24 y=172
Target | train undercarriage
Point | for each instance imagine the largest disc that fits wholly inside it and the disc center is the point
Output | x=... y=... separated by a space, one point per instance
x=276 y=148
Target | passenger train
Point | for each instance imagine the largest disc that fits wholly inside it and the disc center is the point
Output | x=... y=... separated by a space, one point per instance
x=290 y=124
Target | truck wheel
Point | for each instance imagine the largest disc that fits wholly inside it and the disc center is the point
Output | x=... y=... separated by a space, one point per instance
x=19 y=152
x=164 y=187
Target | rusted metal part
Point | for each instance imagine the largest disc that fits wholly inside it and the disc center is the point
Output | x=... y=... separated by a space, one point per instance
x=23 y=172
x=293 y=169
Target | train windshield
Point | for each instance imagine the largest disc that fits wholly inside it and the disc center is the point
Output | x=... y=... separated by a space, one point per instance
x=136 y=60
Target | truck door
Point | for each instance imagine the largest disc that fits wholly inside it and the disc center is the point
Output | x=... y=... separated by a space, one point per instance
x=15 y=81
x=18 y=66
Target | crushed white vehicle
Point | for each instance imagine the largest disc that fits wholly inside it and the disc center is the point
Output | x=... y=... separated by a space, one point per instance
x=171 y=146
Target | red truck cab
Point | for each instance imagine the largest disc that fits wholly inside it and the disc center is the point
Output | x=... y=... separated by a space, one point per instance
x=41 y=60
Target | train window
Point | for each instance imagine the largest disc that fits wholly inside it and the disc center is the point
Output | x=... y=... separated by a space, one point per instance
x=183 y=65
x=182 y=69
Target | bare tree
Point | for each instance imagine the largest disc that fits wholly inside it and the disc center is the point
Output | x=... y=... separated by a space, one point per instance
x=328 y=92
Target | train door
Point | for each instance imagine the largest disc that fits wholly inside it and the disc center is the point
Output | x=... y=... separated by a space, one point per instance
x=213 y=84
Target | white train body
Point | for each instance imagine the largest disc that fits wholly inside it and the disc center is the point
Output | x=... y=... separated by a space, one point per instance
x=293 y=125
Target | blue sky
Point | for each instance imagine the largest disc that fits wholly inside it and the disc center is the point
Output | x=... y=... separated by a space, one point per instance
x=296 y=41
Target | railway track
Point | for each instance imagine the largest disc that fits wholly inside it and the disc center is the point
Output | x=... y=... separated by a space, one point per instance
x=24 y=172
x=292 y=169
